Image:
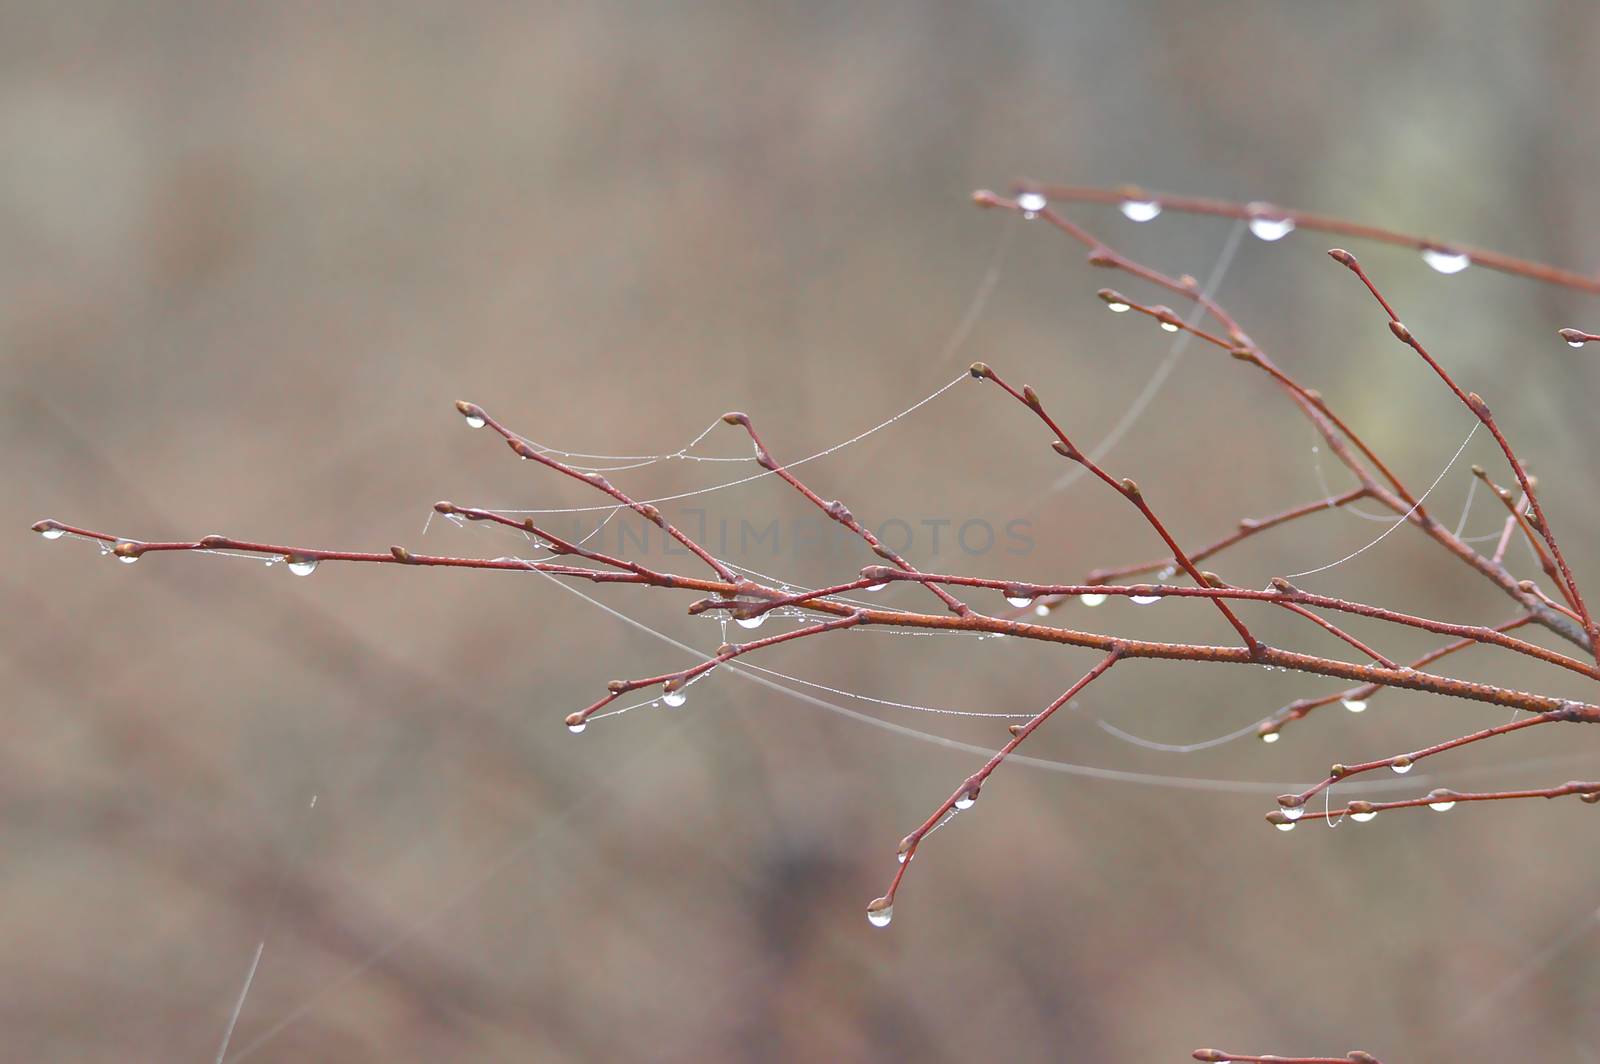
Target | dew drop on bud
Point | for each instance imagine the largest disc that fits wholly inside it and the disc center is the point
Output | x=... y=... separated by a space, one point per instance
x=1364 y=816
x=1143 y=600
x=1170 y=326
x=879 y=912
x=674 y=698
x=576 y=726
x=127 y=557
x=1141 y=210
x=966 y=801
x=1019 y=601
x=1287 y=825
x=57 y=533
x=1031 y=204
x=751 y=622
x=1354 y=705
x=474 y=420
x=1091 y=599
x=1293 y=812
x=1446 y=261
x=1402 y=765
x=1270 y=737
x=1118 y=308
x=1271 y=229
x=1570 y=343
x=303 y=566
x=1442 y=801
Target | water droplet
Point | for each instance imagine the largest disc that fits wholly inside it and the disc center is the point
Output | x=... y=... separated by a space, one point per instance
x=303 y=566
x=576 y=727
x=1443 y=805
x=1287 y=825
x=1041 y=610
x=752 y=622
x=1031 y=203
x=1140 y=210
x=1402 y=766
x=1294 y=812
x=1270 y=229
x=57 y=533
x=1144 y=600
x=270 y=562
x=1270 y=737
x=880 y=912
x=905 y=856
x=876 y=587
x=127 y=559
x=475 y=421
x=1091 y=599
x=1570 y=343
x=105 y=548
x=1355 y=705
x=965 y=802
x=674 y=698
x=1020 y=601
x=1363 y=816
x=1168 y=573
x=1118 y=308
x=1446 y=261
x=1170 y=326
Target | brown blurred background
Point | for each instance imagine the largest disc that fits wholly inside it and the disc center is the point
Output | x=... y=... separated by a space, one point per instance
x=250 y=254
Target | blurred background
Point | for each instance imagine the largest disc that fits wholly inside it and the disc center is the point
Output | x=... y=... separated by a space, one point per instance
x=250 y=254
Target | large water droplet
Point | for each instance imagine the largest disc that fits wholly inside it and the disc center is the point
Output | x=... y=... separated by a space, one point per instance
x=576 y=727
x=1355 y=705
x=1140 y=210
x=1118 y=308
x=1031 y=204
x=1402 y=766
x=1570 y=343
x=1294 y=812
x=965 y=802
x=880 y=912
x=1287 y=825
x=475 y=421
x=126 y=559
x=674 y=698
x=1091 y=599
x=1270 y=229
x=1363 y=816
x=1446 y=261
x=1270 y=737
x=57 y=533
x=1170 y=326
x=1442 y=803
x=303 y=566
x=1144 y=600
x=752 y=622
x=1020 y=601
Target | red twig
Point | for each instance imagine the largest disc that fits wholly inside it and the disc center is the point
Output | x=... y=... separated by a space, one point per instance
x=1355 y=1056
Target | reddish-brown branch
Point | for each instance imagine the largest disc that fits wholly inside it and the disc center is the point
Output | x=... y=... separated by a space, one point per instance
x=1588 y=791
x=965 y=795
x=1128 y=489
x=1323 y=223
x=838 y=512
x=1355 y=1056
x=1577 y=337
x=1302 y=706
x=1519 y=518
x=1475 y=403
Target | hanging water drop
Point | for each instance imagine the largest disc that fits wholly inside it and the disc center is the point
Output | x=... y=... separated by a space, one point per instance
x=271 y=561
x=1446 y=261
x=1401 y=765
x=880 y=912
x=1570 y=343
x=966 y=801
x=1270 y=737
x=1140 y=210
x=1170 y=326
x=674 y=698
x=51 y=532
x=1271 y=229
x=1031 y=204
x=1091 y=599
x=1020 y=601
x=1287 y=825
x=1118 y=308
x=1355 y=705
x=1363 y=816
x=125 y=552
x=751 y=622
x=1144 y=600
x=1442 y=801
x=1294 y=812
x=576 y=726
x=303 y=566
